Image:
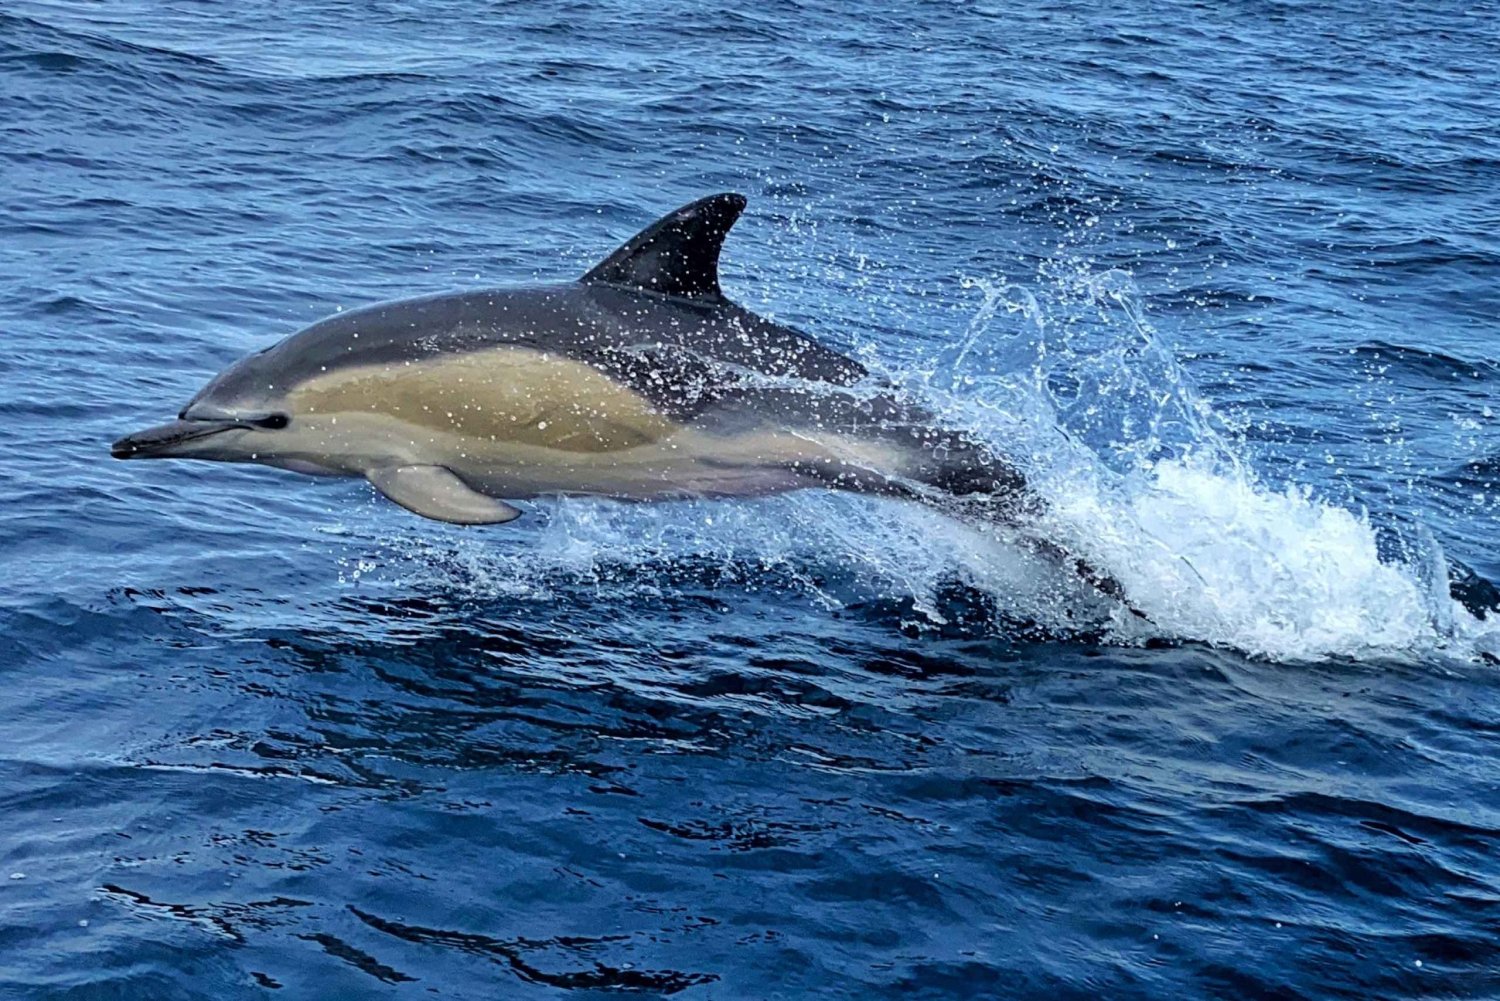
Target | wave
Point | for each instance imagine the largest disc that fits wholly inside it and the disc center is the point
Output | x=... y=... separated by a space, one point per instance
x=1426 y=362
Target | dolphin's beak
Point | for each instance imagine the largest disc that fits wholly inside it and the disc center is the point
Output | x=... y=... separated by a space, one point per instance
x=167 y=440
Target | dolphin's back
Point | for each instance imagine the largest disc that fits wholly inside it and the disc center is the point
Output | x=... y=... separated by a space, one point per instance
x=678 y=353
x=651 y=314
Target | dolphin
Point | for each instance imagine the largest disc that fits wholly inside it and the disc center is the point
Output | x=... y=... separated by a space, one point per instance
x=640 y=381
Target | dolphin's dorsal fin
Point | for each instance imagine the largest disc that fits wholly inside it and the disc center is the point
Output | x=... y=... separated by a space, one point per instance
x=678 y=254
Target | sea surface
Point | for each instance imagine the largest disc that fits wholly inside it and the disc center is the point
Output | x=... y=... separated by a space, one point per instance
x=1223 y=278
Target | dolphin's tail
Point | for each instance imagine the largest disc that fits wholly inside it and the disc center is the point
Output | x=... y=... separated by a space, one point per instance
x=969 y=482
x=951 y=473
x=1018 y=511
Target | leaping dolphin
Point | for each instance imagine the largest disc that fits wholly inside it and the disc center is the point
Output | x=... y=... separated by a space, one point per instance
x=640 y=381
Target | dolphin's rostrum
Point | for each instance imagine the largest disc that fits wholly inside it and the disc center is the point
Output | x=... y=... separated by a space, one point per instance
x=640 y=381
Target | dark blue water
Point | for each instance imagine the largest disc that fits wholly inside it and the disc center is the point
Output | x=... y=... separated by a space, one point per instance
x=1223 y=278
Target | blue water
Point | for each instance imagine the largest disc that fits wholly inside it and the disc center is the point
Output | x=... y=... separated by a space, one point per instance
x=1225 y=279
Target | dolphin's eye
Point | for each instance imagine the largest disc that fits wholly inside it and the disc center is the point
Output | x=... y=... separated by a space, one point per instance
x=273 y=422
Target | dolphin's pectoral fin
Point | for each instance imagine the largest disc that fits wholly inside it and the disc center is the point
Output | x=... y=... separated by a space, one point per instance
x=436 y=492
x=678 y=254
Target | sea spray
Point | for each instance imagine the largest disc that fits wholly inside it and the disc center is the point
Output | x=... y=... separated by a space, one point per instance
x=1143 y=480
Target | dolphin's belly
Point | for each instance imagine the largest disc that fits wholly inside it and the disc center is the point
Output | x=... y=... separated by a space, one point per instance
x=688 y=464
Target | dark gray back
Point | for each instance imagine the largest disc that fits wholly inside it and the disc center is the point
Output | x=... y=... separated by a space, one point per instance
x=651 y=315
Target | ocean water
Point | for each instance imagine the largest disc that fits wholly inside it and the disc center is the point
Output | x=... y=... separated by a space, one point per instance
x=1223 y=278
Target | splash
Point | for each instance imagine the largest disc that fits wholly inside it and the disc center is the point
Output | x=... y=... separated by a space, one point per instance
x=1142 y=479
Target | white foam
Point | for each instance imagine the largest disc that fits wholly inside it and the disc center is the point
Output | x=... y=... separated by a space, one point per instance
x=1279 y=574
